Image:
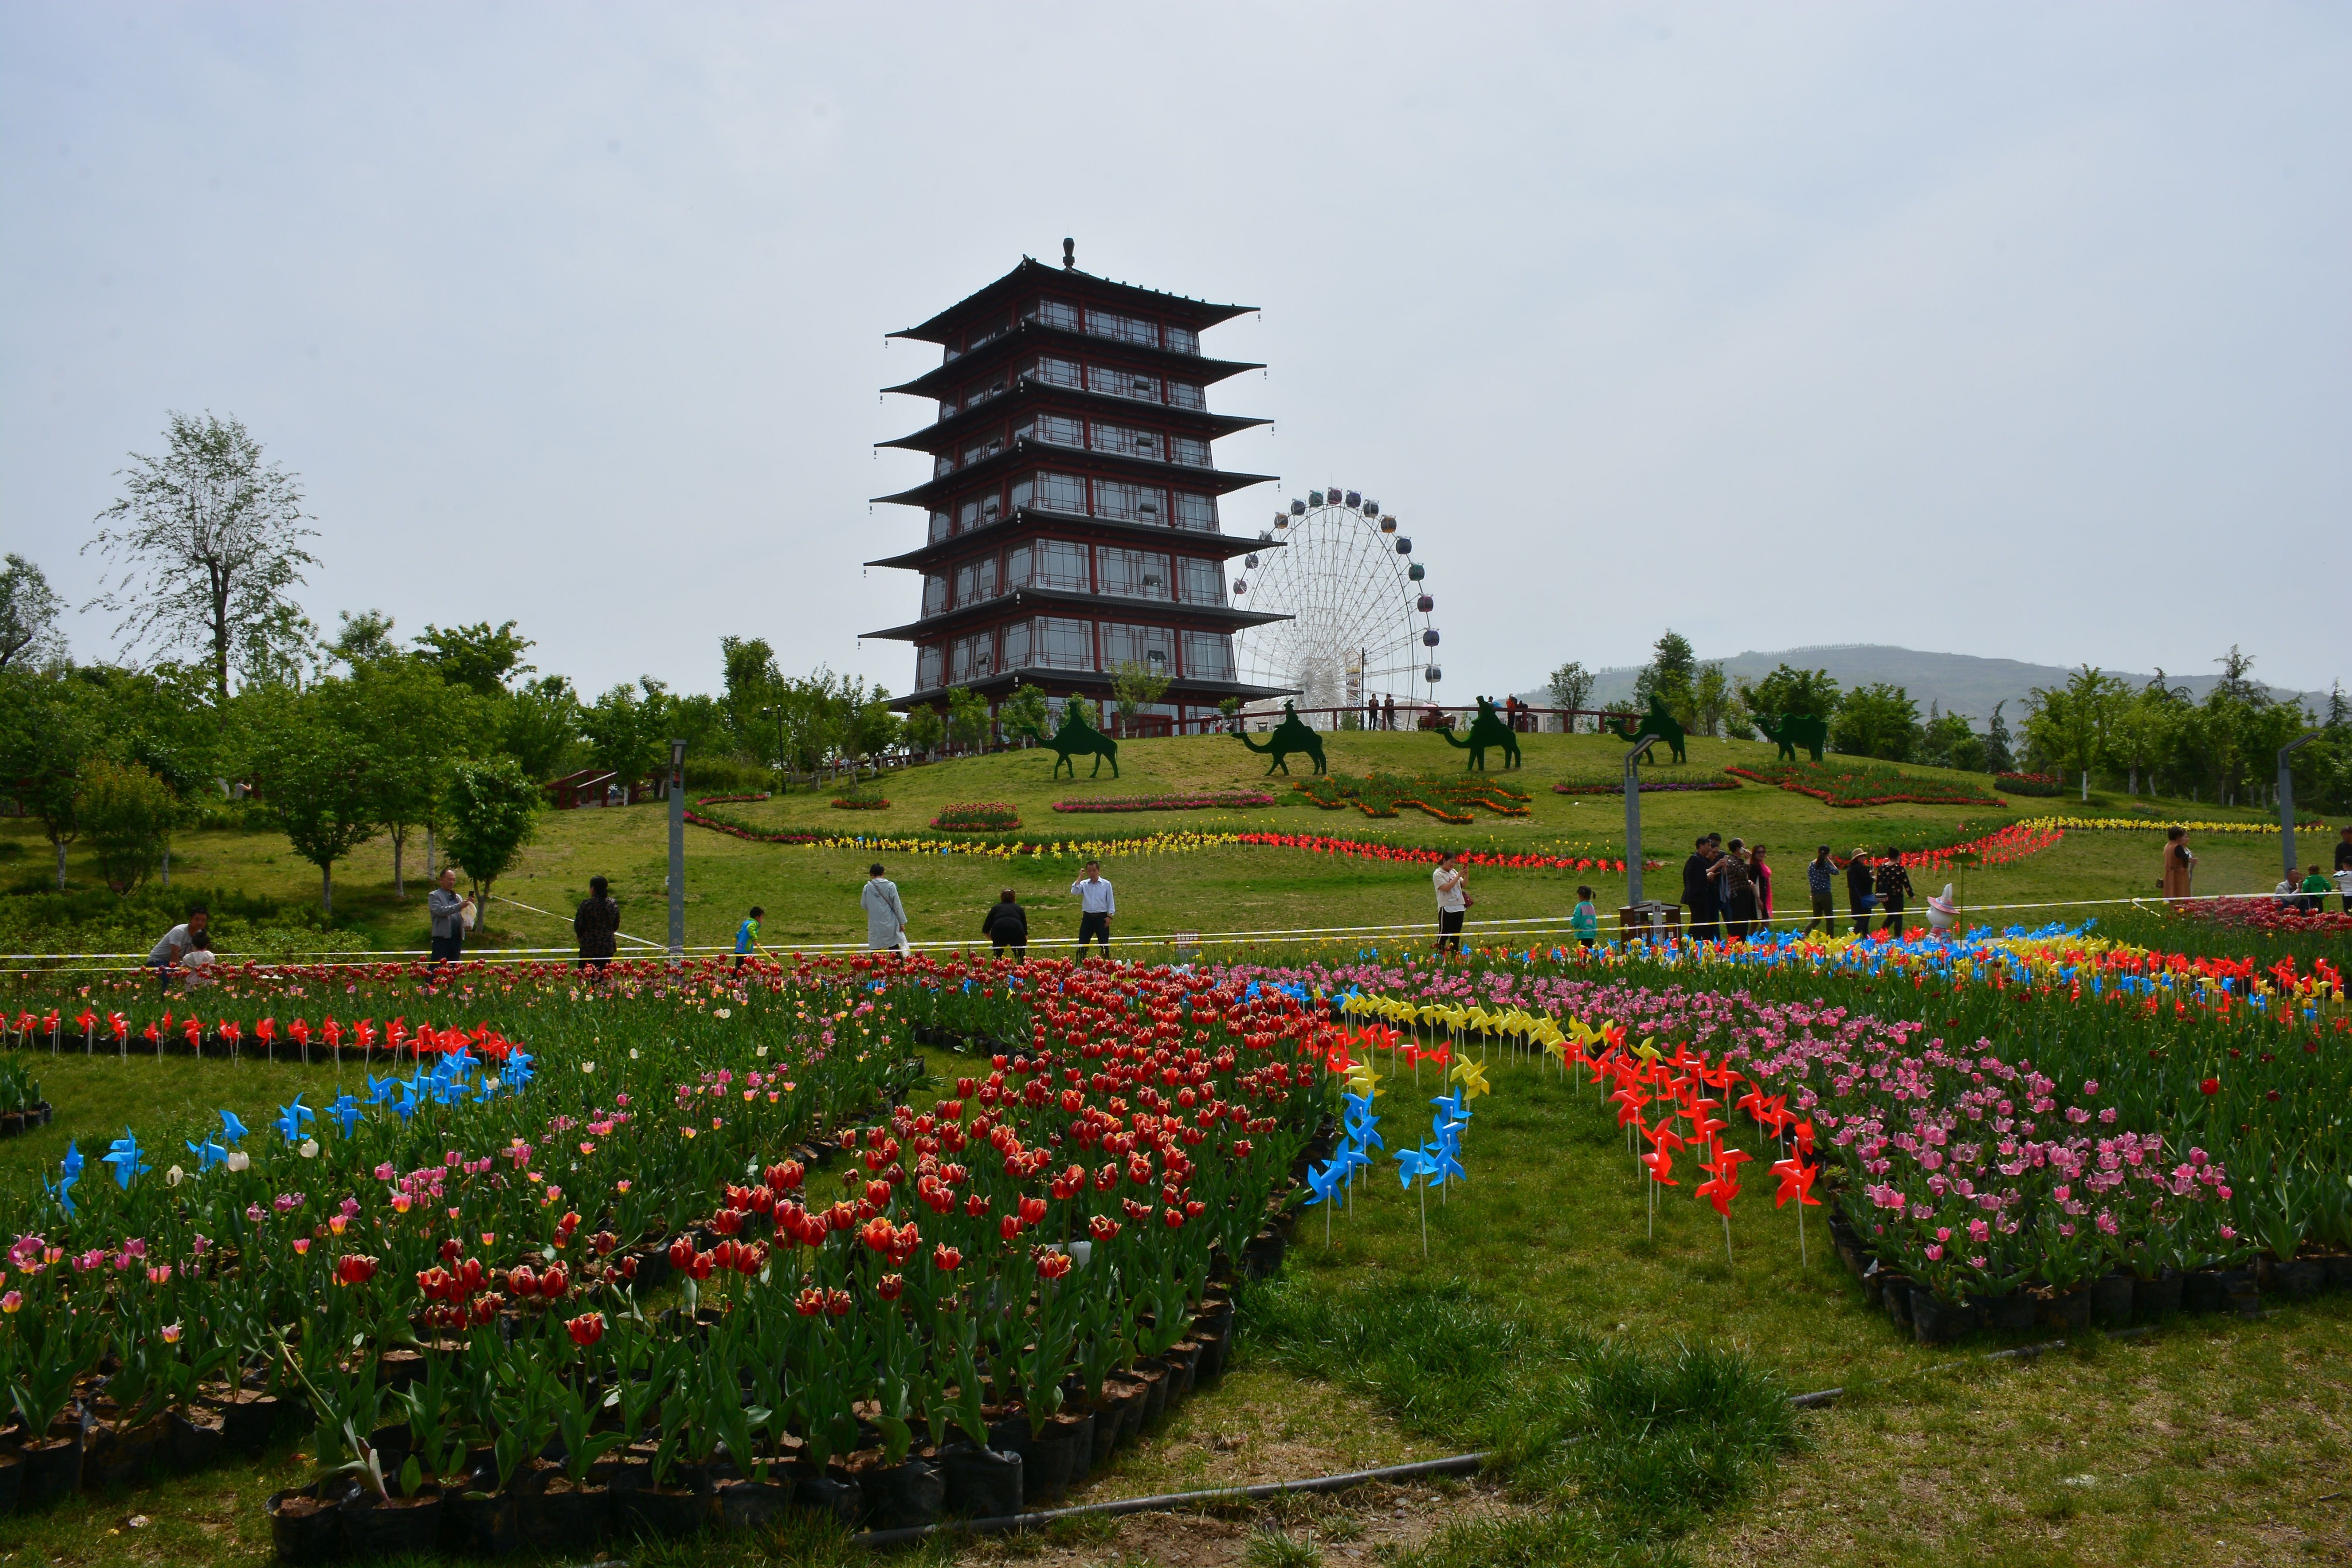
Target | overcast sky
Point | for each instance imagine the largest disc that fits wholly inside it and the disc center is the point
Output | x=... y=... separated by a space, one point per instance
x=2011 y=330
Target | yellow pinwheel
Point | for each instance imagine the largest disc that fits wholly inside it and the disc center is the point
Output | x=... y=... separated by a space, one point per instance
x=1472 y=1077
x=1363 y=1080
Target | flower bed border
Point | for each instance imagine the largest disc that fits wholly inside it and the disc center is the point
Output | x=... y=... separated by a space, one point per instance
x=1243 y=799
x=1792 y=782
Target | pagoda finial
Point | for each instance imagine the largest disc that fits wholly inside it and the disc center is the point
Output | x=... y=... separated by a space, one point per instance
x=1069 y=254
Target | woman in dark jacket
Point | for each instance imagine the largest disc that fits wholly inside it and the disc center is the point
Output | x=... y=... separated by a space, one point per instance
x=598 y=919
x=1857 y=891
x=1893 y=889
x=1007 y=925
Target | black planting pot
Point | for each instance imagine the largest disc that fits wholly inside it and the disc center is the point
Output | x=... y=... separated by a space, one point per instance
x=1894 y=1296
x=981 y=1483
x=2301 y=1279
x=831 y=1493
x=2068 y=1310
x=1936 y=1322
x=669 y=1511
x=192 y=1437
x=12 y=1479
x=2009 y=1313
x=250 y=1420
x=1117 y=1419
x=2111 y=1300
x=2245 y=1297
x=561 y=1517
x=304 y=1527
x=1081 y=1426
x=2337 y=1267
x=124 y=1458
x=752 y=1505
x=1262 y=1254
x=2204 y=1290
x=1045 y=1461
x=52 y=1467
x=1182 y=1358
x=2153 y=1300
x=904 y=1496
x=385 y=1527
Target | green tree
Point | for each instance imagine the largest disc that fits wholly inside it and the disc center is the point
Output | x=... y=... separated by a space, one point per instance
x=1712 y=698
x=1134 y=687
x=29 y=616
x=205 y=542
x=1571 y=688
x=479 y=657
x=1876 y=721
x=1950 y=740
x=48 y=731
x=314 y=772
x=2069 y=723
x=925 y=730
x=1999 y=758
x=628 y=730
x=872 y=729
x=967 y=717
x=1811 y=692
x=1670 y=676
x=362 y=639
x=491 y=809
x=419 y=724
x=537 y=725
x=1025 y=710
x=753 y=685
x=127 y=813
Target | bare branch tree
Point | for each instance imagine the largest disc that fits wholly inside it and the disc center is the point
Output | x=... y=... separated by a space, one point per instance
x=207 y=541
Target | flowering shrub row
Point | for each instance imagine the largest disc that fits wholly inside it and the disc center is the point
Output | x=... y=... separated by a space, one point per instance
x=992 y=817
x=1449 y=797
x=1848 y=782
x=1206 y=800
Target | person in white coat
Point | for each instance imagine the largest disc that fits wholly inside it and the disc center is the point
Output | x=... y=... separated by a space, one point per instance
x=886 y=917
x=1096 y=904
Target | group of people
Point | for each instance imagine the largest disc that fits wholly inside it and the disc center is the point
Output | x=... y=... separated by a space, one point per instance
x=1005 y=924
x=1728 y=888
x=2307 y=895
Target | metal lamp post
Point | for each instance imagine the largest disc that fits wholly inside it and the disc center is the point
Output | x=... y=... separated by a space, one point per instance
x=2286 y=796
x=676 y=851
x=1634 y=819
x=778 y=715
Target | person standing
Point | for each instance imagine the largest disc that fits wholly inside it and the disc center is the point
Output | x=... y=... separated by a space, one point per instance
x=1388 y=712
x=2344 y=867
x=1893 y=885
x=1762 y=874
x=1453 y=901
x=597 y=923
x=886 y=917
x=2179 y=866
x=1821 y=881
x=1096 y=904
x=187 y=937
x=1699 y=891
x=1371 y=712
x=1858 y=892
x=747 y=937
x=1586 y=920
x=451 y=914
x=1006 y=924
x=1735 y=891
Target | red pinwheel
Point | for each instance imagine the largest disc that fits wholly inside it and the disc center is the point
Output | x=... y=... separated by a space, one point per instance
x=1629 y=1101
x=1661 y=1161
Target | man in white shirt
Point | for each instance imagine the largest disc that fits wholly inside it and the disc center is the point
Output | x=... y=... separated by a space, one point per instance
x=178 y=942
x=1453 y=901
x=1096 y=904
x=886 y=917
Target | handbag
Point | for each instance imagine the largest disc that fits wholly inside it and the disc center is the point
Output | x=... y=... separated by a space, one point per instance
x=1468 y=899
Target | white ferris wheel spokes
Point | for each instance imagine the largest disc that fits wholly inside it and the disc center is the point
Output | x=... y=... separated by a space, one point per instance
x=1359 y=603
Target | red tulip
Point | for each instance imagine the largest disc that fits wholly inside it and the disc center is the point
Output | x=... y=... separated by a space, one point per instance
x=587 y=1329
x=353 y=1270
x=946 y=1259
x=2212 y=1086
x=522 y=1281
x=554 y=1282
x=889 y=1286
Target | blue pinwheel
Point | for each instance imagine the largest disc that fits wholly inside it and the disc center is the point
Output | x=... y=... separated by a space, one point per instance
x=1361 y=1127
x=63 y=1191
x=346 y=1110
x=291 y=1117
x=519 y=1069
x=208 y=1155
x=1327 y=1182
x=1415 y=1165
x=123 y=1154
x=232 y=1129
x=380 y=1089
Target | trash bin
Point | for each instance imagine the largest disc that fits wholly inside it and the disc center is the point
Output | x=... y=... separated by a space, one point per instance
x=1650 y=921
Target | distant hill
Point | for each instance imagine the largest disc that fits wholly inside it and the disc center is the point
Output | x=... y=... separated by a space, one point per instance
x=1955 y=682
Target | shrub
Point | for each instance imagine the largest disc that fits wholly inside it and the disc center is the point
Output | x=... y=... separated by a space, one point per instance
x=2029 y=784
x=861 y=802
x=986 y=816
x=1211 y=800
x=1854 y=782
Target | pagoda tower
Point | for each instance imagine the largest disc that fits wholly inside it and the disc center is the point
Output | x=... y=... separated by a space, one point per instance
x=1072 y=506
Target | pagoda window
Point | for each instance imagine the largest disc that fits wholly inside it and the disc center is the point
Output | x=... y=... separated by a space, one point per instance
x=1131 y=574
x=1184 y=395
x=1126 y=329
x=943 y=524
x=1016 y=644
x=976 y=581
x=947 y=407
x=1053 y=493
x=989 y=333
x=1130 y=503
x=1055 y=563
x=1053 y=429
x=981 y=392
x=980 y=451
x=979 y=511
x=935 y=592
x=943 y=465
x=973 y=658
x=1119 y=383
x=1153 y=647
x=1053 y=313
x=1055 y=372
x=1190 y=451
x=1058 y=643
x=1200 y=582
x=1126 y=440
x=1208 y=656
x=929 y=668
x=1183 y=340
x=1196 y=513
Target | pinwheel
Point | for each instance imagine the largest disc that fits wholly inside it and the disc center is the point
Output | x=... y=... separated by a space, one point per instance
x=1412 y=1164
x=1359 y=1125
x=123 y=1154
x=1327 y=1182
x=346 y=1110
x=1472 y=1077
x=291 y=1117
x=208 y=1155
x=231 y=1128
x=1797 y=1181
x=63 y=1191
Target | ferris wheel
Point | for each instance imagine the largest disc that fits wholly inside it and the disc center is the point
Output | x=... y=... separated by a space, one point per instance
x=1358 y=602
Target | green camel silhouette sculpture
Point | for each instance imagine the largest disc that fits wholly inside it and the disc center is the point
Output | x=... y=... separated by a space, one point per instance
x=1807 y=730
x=1291 y=735
x=1487 y=730
x=1657 y=721
x=1076 y=738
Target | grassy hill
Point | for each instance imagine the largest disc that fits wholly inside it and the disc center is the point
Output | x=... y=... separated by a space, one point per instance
x=811 y=893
